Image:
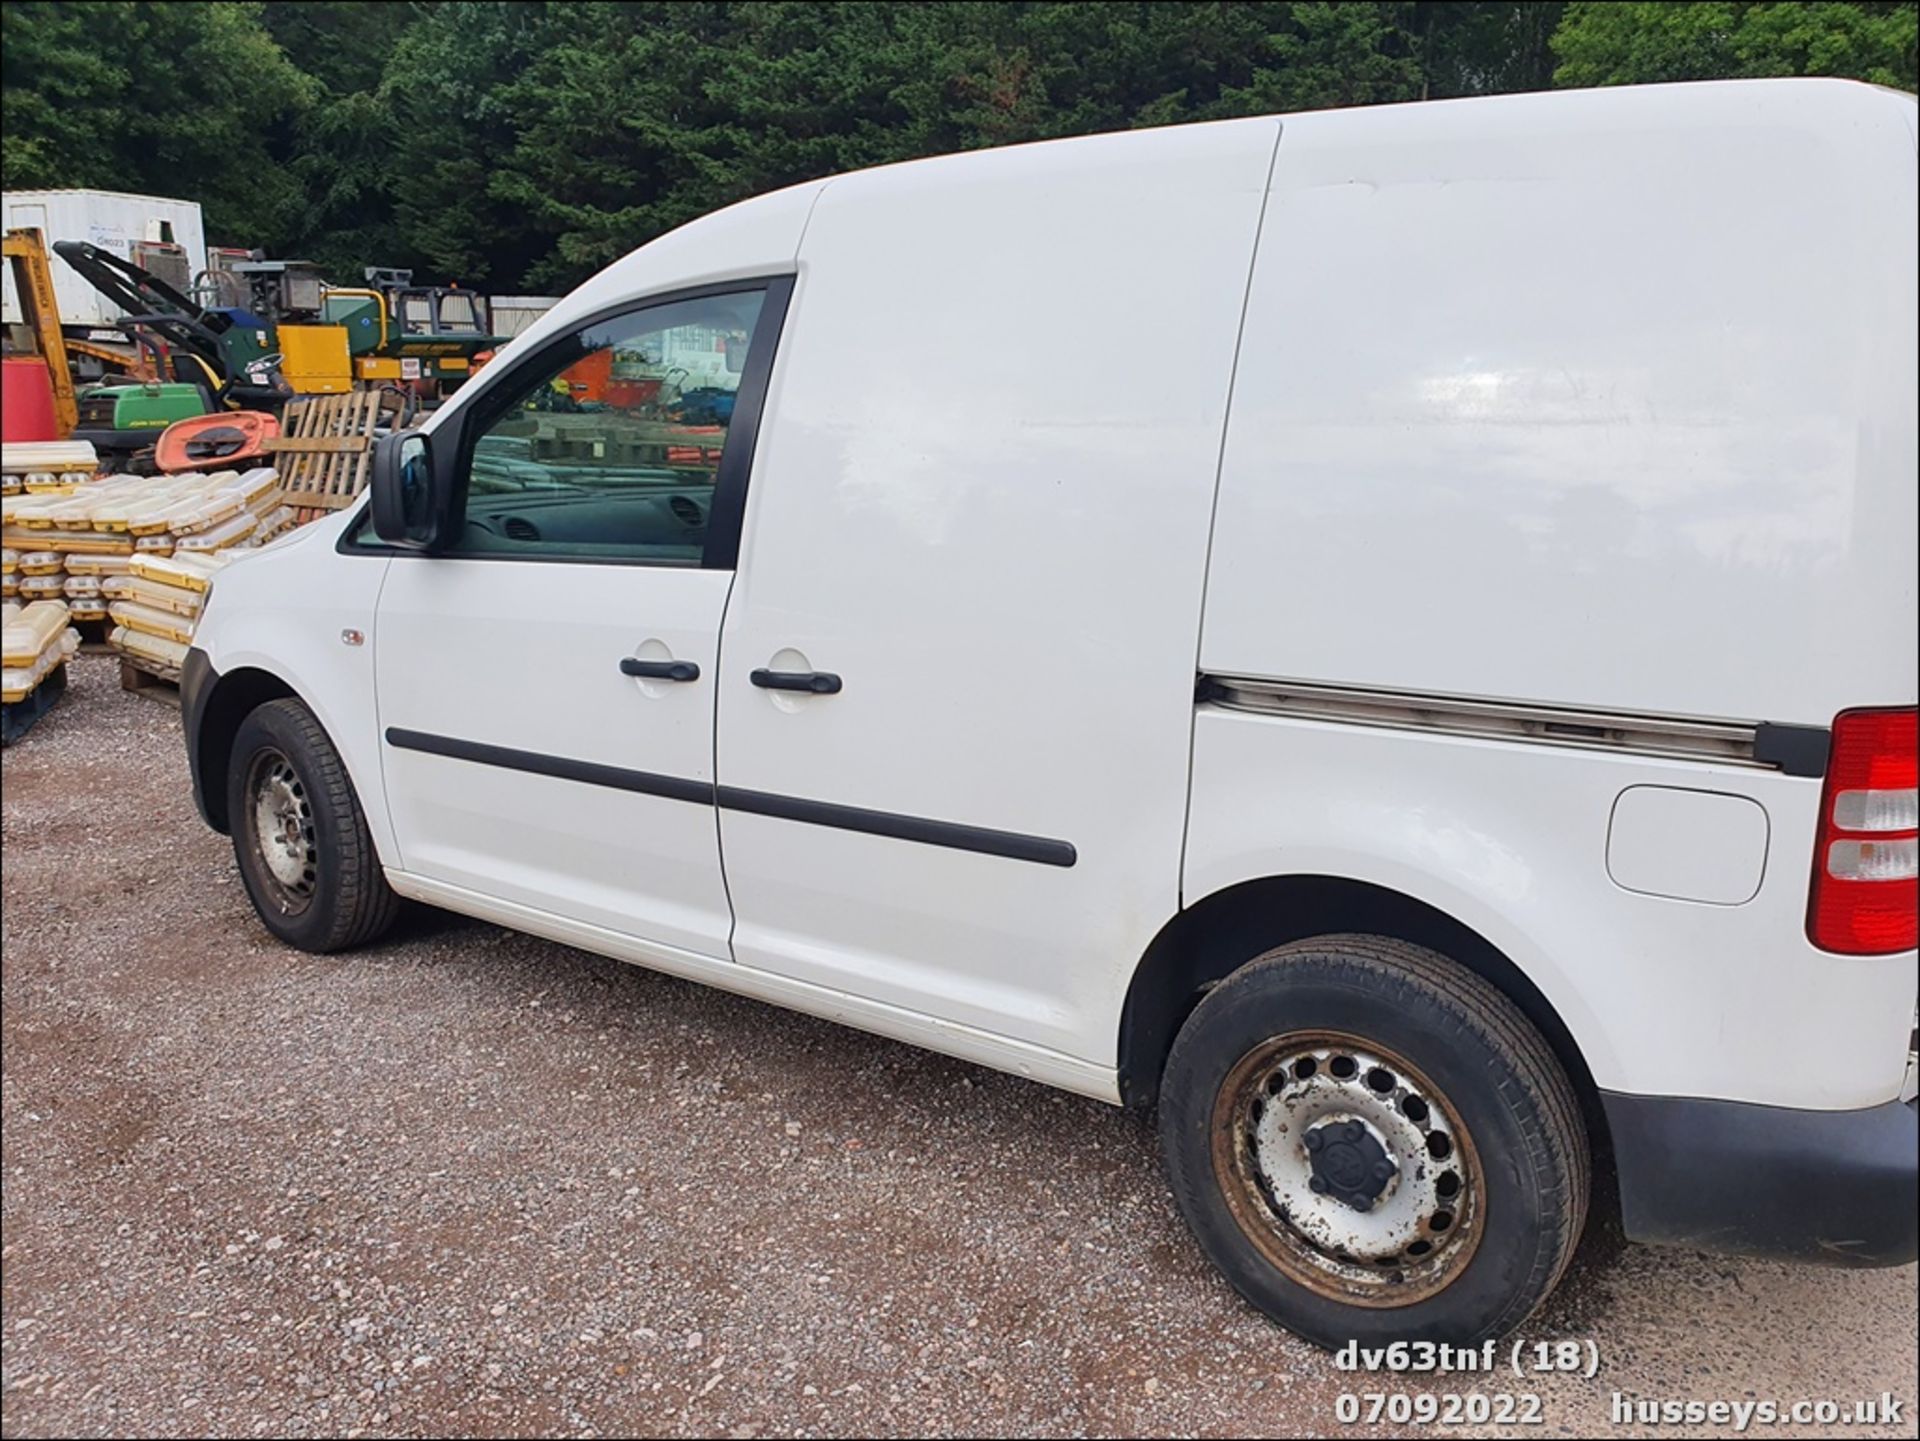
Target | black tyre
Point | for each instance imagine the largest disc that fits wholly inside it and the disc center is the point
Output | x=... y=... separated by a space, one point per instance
x=1373 y=1144
x=299 y=835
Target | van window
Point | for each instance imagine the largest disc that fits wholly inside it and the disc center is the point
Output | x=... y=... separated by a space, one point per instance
x=611 y=450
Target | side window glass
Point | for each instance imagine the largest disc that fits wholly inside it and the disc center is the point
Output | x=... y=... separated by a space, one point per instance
x=612 y=451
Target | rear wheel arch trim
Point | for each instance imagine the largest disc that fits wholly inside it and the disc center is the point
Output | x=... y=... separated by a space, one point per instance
x=1212 y=937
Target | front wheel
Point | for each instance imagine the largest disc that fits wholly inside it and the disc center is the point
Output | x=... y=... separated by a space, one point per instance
x=305 y=853
x=1373 y=1144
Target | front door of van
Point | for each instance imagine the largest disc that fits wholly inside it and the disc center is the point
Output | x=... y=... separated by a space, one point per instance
x=546 y=684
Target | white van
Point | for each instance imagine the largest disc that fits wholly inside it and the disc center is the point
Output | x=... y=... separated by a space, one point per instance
x=1390 y=632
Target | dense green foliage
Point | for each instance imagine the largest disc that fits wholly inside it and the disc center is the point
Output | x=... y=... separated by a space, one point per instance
x=513 y=144
x=1629 y=42
x=88 y=101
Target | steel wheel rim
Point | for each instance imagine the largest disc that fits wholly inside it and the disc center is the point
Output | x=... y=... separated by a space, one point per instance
x=1416 y=1236
x=282 y=831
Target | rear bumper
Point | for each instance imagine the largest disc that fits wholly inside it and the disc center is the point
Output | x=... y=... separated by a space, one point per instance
x=1841 y=1188
x=197 y=676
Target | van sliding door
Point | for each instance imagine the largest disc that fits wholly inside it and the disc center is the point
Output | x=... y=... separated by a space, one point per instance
x=956 y=684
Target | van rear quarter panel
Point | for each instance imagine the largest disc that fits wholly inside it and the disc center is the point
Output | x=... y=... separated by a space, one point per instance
x=1663 y=996
x=1602 y=399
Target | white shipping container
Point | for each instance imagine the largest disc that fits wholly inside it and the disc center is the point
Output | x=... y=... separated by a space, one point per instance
x=110 y=219
x=514 y=313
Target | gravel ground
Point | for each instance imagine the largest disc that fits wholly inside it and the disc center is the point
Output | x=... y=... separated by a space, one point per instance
x=471 y=1182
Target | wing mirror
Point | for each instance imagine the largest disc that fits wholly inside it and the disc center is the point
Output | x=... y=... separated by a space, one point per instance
x=411 y=495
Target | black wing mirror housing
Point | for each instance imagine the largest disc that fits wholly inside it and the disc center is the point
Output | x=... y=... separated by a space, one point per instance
x=410 y=494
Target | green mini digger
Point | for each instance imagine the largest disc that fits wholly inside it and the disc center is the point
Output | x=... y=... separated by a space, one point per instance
x=204 y=360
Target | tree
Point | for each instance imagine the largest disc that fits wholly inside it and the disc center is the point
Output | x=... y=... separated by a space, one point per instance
x=514 y=143
x=343 y=44
x=448 y=86
x=346 y=153
x=640 y=117
x=141 y=96
x=1636 y=43
x=1484 y=49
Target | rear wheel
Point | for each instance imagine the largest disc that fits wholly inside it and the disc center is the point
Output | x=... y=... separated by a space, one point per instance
x=1372 y=1143
x=301 y=840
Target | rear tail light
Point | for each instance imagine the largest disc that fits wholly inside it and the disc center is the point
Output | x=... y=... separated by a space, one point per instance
x=1866 y=866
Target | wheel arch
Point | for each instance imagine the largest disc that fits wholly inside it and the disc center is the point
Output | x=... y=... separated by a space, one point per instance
x=1215 y=936
x=235 y=696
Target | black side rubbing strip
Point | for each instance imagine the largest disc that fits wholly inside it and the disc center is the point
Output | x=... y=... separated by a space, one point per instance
x=646 y=783
x=1011 y=845
x=1797 y=750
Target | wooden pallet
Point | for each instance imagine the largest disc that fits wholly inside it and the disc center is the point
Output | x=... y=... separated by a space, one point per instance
x=22 y=715
x=155 y=682
x=323 y=450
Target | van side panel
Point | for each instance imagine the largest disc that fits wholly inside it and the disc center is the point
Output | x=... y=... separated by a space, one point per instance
x=982 y=498
x=1603 y=398
x=1662 y=996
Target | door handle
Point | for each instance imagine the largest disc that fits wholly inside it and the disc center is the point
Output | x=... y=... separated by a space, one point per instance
x=659 y=669
x=815 y=682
